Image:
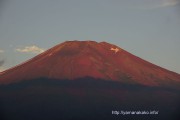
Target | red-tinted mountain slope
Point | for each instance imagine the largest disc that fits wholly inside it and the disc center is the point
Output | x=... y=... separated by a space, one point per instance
x=78 y=59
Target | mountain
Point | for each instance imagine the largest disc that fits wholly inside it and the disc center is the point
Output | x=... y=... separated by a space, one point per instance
x=88 y=80
x=77 y=59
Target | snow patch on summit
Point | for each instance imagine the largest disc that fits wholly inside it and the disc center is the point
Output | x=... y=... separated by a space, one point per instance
x=114 y=49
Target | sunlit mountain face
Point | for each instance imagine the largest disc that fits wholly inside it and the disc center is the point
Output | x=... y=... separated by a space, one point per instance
x=88 y=80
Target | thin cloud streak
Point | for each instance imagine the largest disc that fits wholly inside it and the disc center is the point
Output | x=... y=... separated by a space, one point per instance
x=167 y=3
x=156 y=4
x=1 y=62
x=30 y=49
x=1 y=51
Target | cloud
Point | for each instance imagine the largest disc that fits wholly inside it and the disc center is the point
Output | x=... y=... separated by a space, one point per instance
x=1 y=62
x=155 y=4
x=1 y=51
x=30 y=49
x=167 y=3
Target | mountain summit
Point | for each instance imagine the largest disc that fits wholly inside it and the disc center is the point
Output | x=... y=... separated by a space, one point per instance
x=78 y=59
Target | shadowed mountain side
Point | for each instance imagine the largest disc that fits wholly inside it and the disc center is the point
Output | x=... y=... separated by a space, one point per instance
x=54 y=85
x=85 y=98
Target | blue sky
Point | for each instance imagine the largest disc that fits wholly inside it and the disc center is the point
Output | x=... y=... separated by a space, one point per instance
x=149 y=29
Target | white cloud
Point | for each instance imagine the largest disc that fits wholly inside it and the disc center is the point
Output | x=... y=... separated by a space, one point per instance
x=1 y=51
x=30 y=49
x=167 y=3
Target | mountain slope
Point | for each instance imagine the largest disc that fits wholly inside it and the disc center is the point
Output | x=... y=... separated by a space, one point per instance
x=77 y=59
